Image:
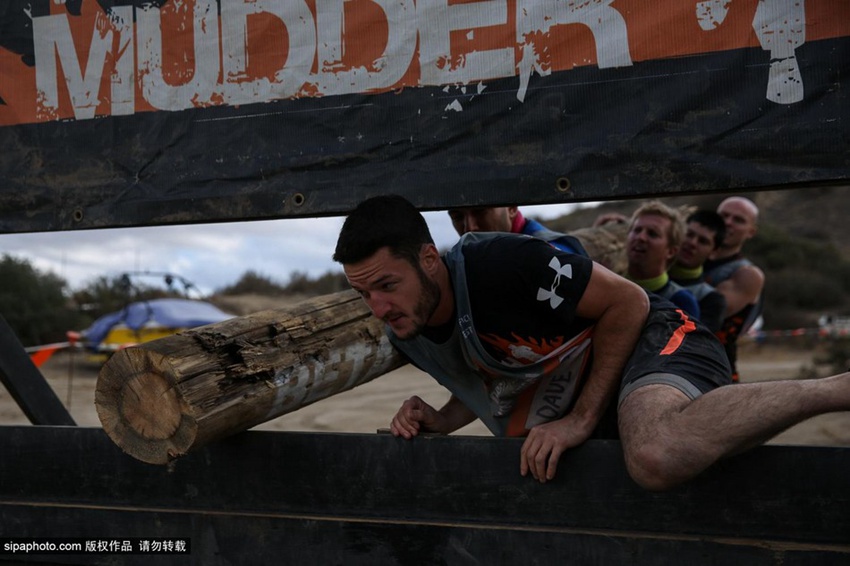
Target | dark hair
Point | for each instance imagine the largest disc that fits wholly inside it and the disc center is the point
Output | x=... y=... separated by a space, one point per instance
x=713 y=222
x=384 y=221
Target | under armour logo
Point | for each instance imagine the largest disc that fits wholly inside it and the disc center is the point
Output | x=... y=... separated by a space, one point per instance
x=550 y=295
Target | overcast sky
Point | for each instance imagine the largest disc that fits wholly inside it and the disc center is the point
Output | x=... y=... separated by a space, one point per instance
x=211 y=256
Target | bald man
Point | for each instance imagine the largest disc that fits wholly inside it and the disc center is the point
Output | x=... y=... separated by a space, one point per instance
x=734 y=276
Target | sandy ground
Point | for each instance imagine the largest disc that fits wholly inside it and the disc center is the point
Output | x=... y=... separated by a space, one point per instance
x=370 y=406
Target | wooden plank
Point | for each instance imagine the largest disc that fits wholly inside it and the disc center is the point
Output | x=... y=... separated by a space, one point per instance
x=352 y=498
x=25 y=383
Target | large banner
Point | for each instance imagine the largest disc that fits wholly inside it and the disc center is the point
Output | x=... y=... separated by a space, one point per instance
x=140 y=112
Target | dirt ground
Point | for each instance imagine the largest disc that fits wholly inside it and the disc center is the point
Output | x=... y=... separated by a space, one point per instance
x=370 y=406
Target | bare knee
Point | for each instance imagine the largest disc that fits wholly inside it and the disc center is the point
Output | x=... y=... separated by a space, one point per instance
x=655 y=457
x=652 y=466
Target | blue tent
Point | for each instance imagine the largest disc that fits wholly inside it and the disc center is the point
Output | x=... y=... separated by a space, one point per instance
x=165 y=313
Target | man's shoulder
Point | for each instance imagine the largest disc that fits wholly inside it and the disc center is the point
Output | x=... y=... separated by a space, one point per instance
x=510 y=269
x=563 y=242
x=497 y=252
x=481 y=245
x=736 y=267
x=497 y=243
x=471 y=239
x=748 y=275
x=742 y=268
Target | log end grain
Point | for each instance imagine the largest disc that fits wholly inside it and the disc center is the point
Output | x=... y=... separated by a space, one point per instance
x=141 y=408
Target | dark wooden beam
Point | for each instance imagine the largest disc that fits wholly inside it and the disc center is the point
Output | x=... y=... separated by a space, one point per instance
x=25 y=383
x=263 y=497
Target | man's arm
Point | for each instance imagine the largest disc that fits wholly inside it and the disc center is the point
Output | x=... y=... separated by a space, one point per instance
x=620 y=308
x=742 y=289
x=415 y=416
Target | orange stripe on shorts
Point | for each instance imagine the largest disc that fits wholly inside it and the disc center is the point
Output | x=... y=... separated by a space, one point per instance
x=679 y=334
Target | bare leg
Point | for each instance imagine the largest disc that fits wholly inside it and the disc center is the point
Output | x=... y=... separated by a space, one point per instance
x=668 y=439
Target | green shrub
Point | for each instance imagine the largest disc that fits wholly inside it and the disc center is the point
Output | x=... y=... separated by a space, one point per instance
x=252 y=283
x=798 y=290
x=34 y=303
x=330 y=282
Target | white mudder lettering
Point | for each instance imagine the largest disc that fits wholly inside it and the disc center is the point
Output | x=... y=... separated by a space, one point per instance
x=315 y=42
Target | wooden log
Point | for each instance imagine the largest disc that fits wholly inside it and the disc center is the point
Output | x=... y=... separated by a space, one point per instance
x=159 y=400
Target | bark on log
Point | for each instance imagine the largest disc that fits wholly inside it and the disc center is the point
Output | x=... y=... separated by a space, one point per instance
x=163 y=398
x=159 y=400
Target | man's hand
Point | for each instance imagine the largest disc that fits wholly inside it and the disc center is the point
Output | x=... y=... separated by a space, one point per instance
x=544 y=445
x=415 y=416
